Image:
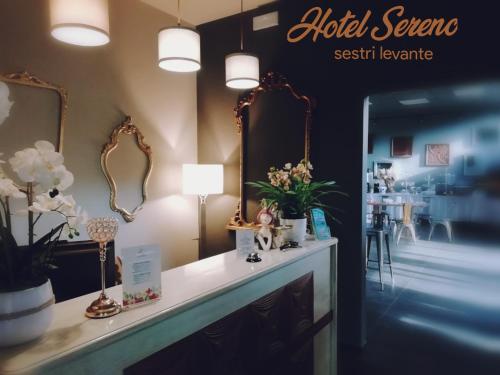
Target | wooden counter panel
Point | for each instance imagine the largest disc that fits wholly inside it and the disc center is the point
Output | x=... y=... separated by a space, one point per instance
x=264 y=337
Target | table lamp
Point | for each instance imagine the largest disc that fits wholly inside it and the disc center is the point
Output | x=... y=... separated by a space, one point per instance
x=202 y=180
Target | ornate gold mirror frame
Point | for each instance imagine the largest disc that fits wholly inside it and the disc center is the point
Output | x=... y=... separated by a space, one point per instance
x=27 y=79
x=271 y=81
x=127 y=128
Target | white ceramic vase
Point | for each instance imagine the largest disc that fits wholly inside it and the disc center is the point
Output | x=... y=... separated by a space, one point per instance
x=25 y=314
x=298 y=231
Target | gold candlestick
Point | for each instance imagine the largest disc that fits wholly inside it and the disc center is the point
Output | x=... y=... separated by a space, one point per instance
x=102 y=230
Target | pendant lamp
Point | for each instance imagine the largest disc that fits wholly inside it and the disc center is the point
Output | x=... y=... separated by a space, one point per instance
x=80 y=22
x=179 y=47
x=242 y=69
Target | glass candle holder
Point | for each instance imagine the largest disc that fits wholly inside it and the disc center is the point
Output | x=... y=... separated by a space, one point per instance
x=102 y=230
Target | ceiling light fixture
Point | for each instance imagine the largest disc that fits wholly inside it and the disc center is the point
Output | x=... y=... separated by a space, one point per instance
x=179 y=47
x=80 y=22
x=469 y=92
x=414 y=101
x=242 y=69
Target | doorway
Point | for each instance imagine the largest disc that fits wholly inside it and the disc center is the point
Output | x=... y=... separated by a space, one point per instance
x=433 y=198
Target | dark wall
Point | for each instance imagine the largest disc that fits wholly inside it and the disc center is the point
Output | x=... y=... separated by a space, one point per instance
x=339 y=132
x=219 y=140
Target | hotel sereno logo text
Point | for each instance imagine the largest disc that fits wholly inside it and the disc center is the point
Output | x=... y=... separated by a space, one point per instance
x=318 y=24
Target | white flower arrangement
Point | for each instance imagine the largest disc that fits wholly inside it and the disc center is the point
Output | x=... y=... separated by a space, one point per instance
x=43 y=170
x=389 y=178
x=42 y=165
x=46 y=178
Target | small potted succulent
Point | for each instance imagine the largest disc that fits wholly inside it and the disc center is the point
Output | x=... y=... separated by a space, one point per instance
x=292 y=191
x=26 y=297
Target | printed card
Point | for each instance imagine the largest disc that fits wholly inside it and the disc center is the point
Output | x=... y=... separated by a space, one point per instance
x=141 y=275
x=245 y=241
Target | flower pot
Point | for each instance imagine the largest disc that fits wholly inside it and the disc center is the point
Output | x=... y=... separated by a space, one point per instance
x=25 y=314
x=298 y=231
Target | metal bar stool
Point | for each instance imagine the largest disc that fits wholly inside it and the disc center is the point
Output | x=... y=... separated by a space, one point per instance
x=446 y=223
x=380 y=233
x=407 y=223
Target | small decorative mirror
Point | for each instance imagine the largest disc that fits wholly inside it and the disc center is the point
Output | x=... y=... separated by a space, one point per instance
x=127 y=163
x=31 y=109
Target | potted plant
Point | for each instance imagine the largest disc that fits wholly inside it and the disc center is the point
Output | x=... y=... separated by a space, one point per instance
x=294 y=194
x=26 y=296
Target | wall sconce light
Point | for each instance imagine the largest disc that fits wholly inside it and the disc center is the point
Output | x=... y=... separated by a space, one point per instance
x=179 y=48
x=242 y=69
x=80 y=22
x=202 y=180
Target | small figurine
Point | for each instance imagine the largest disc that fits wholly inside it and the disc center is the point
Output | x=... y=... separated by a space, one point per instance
x=264 y=236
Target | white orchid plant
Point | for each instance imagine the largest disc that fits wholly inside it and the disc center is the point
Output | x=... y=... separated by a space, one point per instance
x=45 y=178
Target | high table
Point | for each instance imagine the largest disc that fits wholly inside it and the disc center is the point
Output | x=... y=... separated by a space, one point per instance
x=194 y=296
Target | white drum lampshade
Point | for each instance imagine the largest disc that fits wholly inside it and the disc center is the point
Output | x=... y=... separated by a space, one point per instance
x=202 y=179
x=179 y=49
x=80 y=22
x=242 y=71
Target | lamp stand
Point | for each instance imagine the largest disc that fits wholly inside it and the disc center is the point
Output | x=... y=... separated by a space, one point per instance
x=202 y=226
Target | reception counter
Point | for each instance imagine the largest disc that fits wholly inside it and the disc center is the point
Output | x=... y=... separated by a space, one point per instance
x=195 y=296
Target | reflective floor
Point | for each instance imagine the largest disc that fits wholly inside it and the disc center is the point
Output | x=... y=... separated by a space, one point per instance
x=440 y=314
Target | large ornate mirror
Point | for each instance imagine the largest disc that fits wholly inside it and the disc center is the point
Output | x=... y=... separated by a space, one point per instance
x=274 y=123
x=31 y=109
x=127 y=162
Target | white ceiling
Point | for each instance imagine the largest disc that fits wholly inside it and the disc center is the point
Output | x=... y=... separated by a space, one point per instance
x=197 y=12
x=479 y=96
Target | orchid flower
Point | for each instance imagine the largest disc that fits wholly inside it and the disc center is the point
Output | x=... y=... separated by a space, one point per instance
x=9 y=189
x=42 y=165
x=63 y=205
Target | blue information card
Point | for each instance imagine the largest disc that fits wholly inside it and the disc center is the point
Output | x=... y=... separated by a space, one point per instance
x=320 y=227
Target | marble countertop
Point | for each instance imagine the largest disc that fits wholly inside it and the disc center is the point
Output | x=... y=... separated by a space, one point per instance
x=72 y=333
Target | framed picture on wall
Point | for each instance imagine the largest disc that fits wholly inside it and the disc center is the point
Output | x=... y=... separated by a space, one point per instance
x=437 y=155
x=401 y=147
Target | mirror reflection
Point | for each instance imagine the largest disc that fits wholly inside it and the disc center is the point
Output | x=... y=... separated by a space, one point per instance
x=20 y=107
x=280 y=115
x=278 y=118
x=127 y=164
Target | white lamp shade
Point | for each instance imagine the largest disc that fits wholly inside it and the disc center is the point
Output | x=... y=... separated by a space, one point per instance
x=202 y=179
x=179 y=49
x=80 y=22
x=242 y=71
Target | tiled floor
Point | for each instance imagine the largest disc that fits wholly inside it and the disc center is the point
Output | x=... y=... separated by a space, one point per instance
x=440 y=315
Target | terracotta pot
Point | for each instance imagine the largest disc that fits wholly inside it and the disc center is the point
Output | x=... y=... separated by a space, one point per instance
x=25 y=314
